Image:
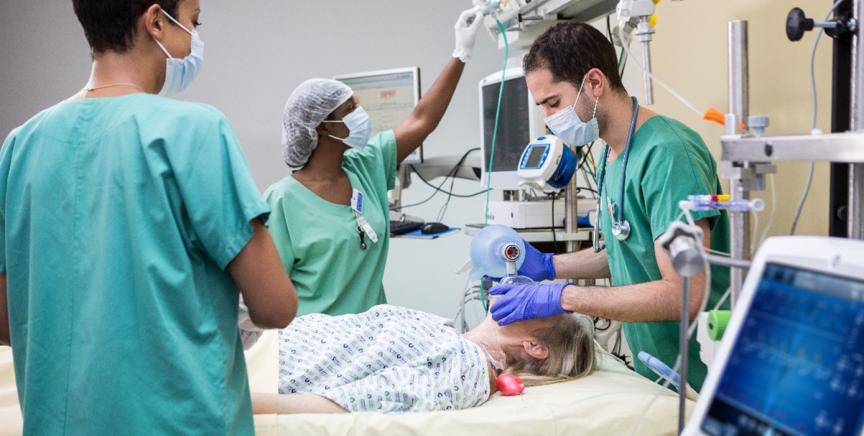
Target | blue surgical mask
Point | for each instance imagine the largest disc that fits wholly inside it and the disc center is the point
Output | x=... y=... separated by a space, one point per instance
x=567 y=125
x=179 y=73
x=359 y=128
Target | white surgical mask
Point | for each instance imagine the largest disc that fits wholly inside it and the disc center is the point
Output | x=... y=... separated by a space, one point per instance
x=179 y=73
x=567 y=125
x=359 y=128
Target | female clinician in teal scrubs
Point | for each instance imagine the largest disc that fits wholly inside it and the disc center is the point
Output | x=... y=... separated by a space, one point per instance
x=334 y=245
x=128 y=222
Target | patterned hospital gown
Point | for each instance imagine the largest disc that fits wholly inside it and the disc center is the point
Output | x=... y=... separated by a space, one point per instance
x=387 y=359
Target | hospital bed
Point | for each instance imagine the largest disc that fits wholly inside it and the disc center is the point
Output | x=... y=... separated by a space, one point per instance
x=612 y=400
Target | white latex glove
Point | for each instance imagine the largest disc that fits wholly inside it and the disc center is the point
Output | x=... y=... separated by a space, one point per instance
x=249 y=332
x=466 y=33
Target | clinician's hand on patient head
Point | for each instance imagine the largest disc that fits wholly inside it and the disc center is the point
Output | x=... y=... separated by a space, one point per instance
x=518 y=302
x=554 y=346
x=466 y=28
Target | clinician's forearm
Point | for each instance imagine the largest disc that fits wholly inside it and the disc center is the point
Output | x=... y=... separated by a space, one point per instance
x=264 y=404
x=659 y=300
x=582 y=265
x=5 y=336
x=429 y=110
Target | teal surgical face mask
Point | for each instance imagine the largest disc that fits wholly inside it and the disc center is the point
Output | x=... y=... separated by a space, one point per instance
x=567 y=125
x=179 y=73
x=359 y=128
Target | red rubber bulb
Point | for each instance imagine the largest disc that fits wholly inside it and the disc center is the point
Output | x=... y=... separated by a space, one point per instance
x=509 y=384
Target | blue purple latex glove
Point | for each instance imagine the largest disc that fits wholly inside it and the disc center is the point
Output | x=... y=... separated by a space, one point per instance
x=521 y=301
x=538 y=266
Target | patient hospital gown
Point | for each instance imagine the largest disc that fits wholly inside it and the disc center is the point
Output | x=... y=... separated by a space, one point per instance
x=387 y=359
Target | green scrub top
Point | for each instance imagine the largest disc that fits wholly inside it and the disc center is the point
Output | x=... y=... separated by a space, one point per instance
x=118 y=217
x=668 y=161
x=319 y=242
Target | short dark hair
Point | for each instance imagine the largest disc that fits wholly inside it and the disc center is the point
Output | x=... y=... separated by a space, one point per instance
x=568 y=50
x=110 y=24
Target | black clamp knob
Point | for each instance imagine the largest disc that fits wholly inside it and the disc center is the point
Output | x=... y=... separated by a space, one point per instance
x=797 y=23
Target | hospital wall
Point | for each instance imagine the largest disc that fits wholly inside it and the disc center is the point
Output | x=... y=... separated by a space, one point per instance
x=256 y=52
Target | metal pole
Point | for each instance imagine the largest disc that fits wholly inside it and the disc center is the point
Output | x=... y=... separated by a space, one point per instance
x=856 y=171
x=739 y=71
x=684 y=349
x=644 y=32
x=572 y=212
x=838 y=223
x=739 y=104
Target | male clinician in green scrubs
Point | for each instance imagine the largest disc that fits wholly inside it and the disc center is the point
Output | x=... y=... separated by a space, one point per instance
x=572 y=74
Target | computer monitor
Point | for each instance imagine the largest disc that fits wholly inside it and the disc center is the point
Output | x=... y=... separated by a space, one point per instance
x=792 y=359
x=520 y=121
x=388 y=96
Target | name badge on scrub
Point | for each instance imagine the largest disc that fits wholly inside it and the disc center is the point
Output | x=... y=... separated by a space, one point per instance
x=362 y=224
x=357 y=201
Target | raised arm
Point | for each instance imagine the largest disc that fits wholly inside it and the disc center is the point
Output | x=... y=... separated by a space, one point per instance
x=429 y=111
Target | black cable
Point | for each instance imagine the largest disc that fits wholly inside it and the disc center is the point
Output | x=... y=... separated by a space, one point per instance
x=451 y=173
x=585 y=188
x=585 y=157
x=438 y=189
x=609 y=29
x=443 y=210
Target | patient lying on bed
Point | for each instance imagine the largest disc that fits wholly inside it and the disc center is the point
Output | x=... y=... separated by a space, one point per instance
x=395 y=359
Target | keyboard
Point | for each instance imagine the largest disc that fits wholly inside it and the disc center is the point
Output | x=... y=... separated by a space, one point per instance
x=402 y=227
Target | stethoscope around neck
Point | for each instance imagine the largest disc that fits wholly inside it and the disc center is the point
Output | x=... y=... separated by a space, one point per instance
x=620 y=227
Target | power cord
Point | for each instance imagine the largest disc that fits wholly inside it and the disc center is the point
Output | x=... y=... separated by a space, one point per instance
x=437 y=189
x=813 y=120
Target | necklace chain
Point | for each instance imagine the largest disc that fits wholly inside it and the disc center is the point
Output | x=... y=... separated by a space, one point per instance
x=110 y=85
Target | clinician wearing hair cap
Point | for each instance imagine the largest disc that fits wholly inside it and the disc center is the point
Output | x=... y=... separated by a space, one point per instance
x=330 y=217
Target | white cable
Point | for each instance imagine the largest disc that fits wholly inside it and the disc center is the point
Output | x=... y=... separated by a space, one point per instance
x=723 y=298
x=718 y=252
x=803 y=199
x=813 y=119
x=705 y=295
x=626 y=45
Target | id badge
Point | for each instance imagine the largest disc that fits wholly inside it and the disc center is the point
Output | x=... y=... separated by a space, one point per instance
x=357 y=201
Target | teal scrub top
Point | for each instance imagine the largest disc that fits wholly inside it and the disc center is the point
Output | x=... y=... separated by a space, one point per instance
x=668 y=161
x=118 y=217
x=319 y=242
